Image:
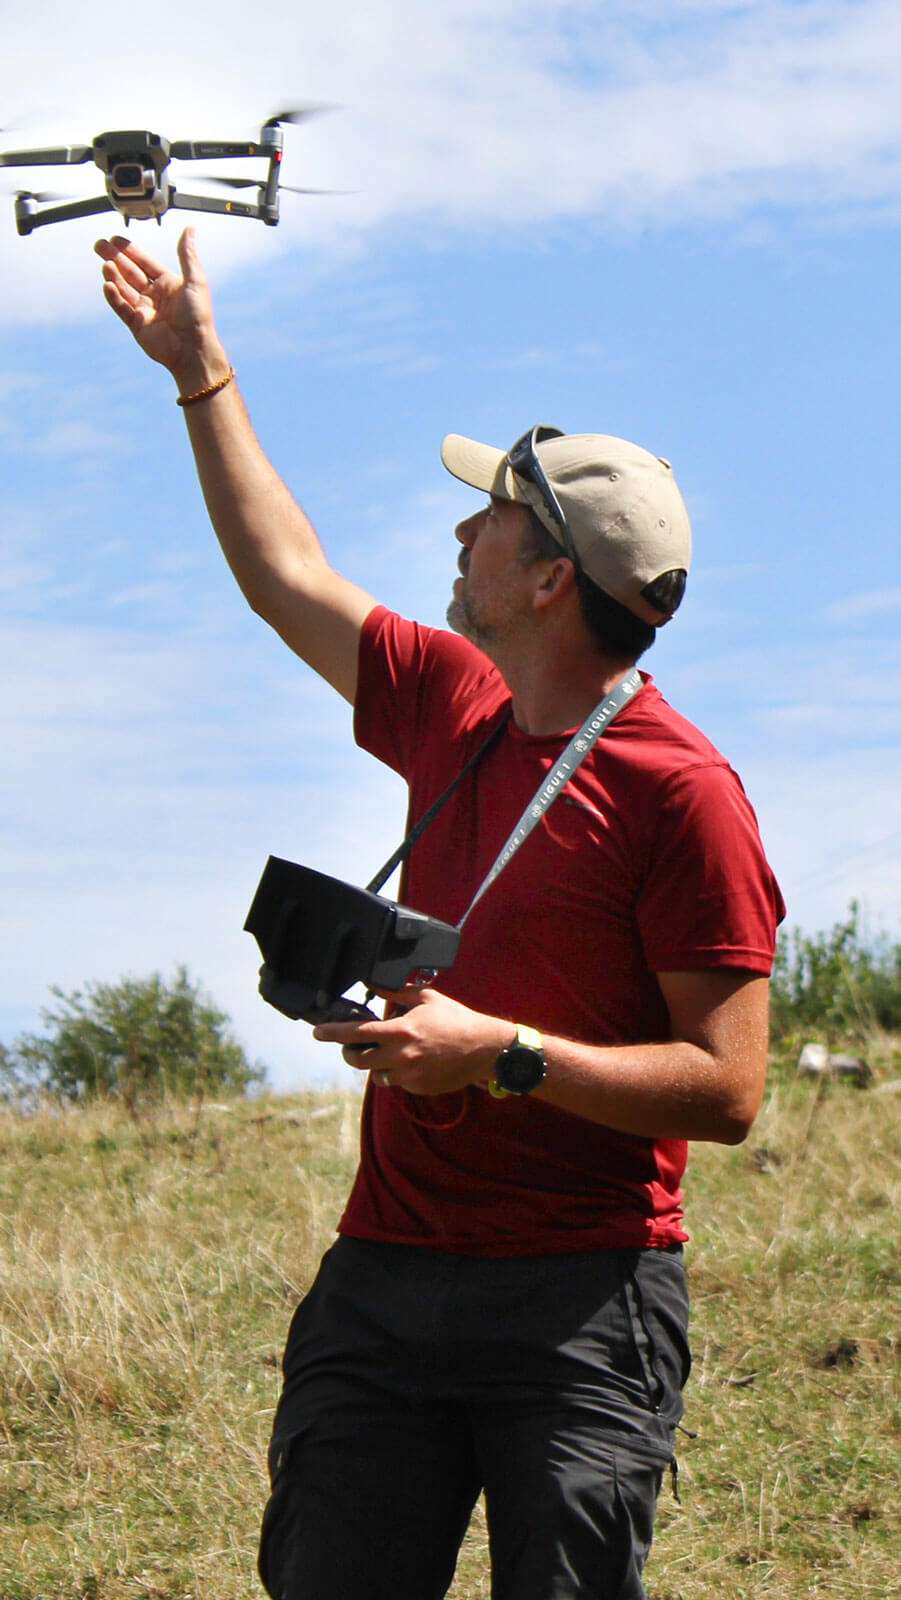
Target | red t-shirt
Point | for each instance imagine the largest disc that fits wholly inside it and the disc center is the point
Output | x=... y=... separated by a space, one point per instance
x=648 y=861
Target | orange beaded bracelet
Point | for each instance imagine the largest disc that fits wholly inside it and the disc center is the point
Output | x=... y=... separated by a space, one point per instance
x=204 y=394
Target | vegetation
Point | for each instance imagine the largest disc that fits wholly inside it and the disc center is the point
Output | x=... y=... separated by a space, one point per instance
x=150 y=1263
x=152 y=1249
x=138 y=1038
x=144 y=1037
x=836 y=987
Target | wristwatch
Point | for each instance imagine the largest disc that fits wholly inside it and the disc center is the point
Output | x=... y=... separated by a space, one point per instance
x=521 y=1067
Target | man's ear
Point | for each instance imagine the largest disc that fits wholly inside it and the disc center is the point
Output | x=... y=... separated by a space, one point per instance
x=553 y=581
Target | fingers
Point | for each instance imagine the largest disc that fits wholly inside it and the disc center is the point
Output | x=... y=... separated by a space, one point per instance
x=356 y=1039
x=131 y=279
x=127 y=285
x=349 y=1034
x=360 y=1055
x=135 y=263
x=133 y=309
x=120 y=305
x=141 y=268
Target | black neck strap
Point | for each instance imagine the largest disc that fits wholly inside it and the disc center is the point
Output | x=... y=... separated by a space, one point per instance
x=403 y=850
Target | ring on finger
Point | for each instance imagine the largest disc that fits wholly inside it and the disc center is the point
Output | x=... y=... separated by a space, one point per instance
x=384 y=1079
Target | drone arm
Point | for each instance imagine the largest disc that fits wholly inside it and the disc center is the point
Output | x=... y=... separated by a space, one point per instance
x=65 y=155
x=27 y=219
x=228 y=208
x=270 y=146
x=207 y=150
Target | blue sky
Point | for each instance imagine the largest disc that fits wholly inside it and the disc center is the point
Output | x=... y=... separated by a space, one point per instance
x=678 y=223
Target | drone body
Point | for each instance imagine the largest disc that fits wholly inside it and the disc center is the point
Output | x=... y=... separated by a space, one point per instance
x=135 y=165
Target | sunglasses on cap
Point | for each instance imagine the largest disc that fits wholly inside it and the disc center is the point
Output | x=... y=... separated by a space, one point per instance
x=522 y=459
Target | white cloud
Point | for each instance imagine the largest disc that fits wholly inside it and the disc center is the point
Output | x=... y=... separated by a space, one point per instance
x=468 y=115
x=867 y=604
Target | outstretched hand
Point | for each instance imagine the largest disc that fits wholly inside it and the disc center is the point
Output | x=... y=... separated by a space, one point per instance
x=171 y=317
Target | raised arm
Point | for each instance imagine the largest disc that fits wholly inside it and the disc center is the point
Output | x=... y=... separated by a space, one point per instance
x=267 y=540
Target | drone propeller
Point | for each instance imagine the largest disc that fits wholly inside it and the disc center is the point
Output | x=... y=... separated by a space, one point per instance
x=296 y=114
x=257 y=183
x=43 y=197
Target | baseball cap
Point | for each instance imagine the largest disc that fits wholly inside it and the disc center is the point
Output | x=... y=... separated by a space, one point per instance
x=625 y=518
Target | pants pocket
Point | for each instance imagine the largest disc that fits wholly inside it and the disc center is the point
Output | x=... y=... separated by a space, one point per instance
x=656 y=1296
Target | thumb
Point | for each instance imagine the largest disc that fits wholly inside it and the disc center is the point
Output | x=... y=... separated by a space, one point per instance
x=191 y=267
x=402 y=999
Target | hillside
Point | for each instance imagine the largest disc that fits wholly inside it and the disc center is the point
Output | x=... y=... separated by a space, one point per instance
x=150 y=1263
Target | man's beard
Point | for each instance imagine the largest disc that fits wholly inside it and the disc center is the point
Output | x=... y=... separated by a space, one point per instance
x=463 y=617
x=489 y=622
x=460 y=617
x=460 y=612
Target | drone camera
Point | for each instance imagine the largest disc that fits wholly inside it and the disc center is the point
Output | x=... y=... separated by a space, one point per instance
x=129 y=178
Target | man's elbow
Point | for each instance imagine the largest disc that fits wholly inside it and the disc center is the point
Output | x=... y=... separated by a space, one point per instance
x=738 y=1114
x=735 y=1130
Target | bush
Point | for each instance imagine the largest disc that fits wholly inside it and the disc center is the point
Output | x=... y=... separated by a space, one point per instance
x=836 y=985
x=10 y=1088
x=138 y=1039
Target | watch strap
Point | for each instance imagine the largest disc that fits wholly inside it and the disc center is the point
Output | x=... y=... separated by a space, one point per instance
x=530 y=1037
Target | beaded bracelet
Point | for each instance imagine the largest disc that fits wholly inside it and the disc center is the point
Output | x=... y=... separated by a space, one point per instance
x=204 y=394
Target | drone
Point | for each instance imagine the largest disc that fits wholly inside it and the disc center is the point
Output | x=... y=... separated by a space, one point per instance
x=135 y=167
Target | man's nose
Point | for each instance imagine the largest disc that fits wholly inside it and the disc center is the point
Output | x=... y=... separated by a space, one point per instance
x=467 y=531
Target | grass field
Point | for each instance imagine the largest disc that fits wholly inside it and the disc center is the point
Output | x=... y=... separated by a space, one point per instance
x=148 y=1268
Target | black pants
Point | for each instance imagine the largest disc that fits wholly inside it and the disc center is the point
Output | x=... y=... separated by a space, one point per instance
x=414 y=1379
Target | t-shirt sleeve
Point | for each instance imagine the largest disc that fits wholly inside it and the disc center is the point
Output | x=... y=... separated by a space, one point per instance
x=709 y=898
x=410 y=679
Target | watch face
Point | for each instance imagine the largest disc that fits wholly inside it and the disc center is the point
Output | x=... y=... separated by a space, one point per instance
x=520 y=1069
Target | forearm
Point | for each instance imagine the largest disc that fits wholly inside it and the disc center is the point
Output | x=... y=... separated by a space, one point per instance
x=265 y=536
x=267 y=540
x=674 y=1090
x=270 y=545
x=704 y=1083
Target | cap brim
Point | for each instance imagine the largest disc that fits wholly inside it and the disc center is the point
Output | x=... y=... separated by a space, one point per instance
x=480 y=465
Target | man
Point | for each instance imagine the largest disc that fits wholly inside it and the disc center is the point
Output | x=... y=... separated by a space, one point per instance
x=505 y=1307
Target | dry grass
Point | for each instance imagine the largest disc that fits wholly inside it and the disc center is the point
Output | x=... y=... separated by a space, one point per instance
x=149 y=1268
x=790 y=1487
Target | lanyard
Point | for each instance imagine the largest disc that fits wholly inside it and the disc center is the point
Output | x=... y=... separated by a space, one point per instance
x=579 y=745
x=549 y=788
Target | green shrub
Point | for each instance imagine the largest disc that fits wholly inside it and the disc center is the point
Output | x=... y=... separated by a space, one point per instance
x=835 y=984
x=138 y=1039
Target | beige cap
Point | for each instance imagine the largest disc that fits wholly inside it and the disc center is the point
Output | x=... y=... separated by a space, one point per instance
x=624 y=513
